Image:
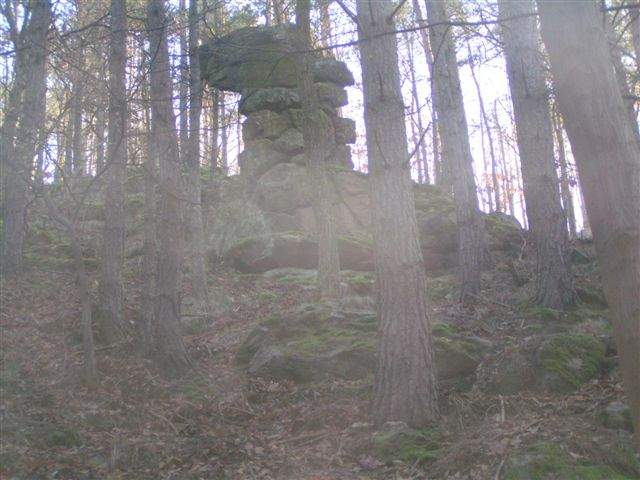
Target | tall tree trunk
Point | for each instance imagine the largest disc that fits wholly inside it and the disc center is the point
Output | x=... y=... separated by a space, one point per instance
x=77 y=103
x=100 y=120
x=635 y=36
x=167 y=341
x=532 y=112
x=22 y=132
x=405 y=383
x=114 y=228
x=224 y=136
x=621 y=74
x=150 y=257
x=565 y=188
x=316 y=132
x=215 y=127
x=84 y=287
x=325 y=23
x=456 y=151
x=608 y=159
x=438 y=173
x=421 y=149
x=193 y=212
x=484 y=118
x=183 y=83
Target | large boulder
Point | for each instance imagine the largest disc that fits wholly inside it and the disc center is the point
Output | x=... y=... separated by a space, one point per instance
x=558 y=363
x=281 y=227
x=320 y=341
x=262 y=57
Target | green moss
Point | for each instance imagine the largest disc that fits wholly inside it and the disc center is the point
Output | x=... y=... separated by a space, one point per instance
x=63 y=438
x=245 y=243
x=327 y=338
x=408 y=446
x=443 y=287
x=544 y=313
x=265 y=296
x=362 y=241
x=570 y=360
x=432 y=199
x=549 y=461
x=443 y=330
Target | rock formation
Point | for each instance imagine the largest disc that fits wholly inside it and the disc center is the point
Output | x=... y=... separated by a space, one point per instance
x=259 y=63
x=264 y=217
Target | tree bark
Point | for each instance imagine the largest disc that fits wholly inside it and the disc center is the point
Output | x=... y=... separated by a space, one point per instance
x=484 y=118
x=565 y=187
x=532 y=112
x=167 y=341
x=635 y=36
x=608 y=159
x=77 y=103
x=150 y=256
x=193 y=212
x=405 y=383
x=421 y=149
x=115 y=174
x=318 y=138
x=438 y=173
x=215 y=127
x=22 y=133
x=183 y=83
x=456 y=151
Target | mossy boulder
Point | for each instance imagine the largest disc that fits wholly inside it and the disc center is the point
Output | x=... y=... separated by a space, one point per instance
x=559 y=363
x=568 y=361
x=551 y=461
x=319 y=341
x=295 y=249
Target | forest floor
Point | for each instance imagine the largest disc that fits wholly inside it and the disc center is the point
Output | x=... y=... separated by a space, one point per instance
x=218 y=422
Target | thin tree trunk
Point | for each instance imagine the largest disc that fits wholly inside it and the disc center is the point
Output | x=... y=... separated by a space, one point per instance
x=84 y=288
x=405 y=383
x=224 y=136
x=150 y=257
x=421 y=152
x=506 y=173
x=325 y=22
x=607 y=155
x=485 y=188
x=167 y=341
x=77 y=102
x=565 y=188
x=194 y=226
x=215 y=127
x=531 y=108
x=183 y=83
x=438 y=172
x=317 y=134
x=456 y=151
x=22 y=132
x=114 y=228
x=484 y=118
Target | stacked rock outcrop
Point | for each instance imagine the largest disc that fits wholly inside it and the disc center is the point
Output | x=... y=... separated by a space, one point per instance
x=260 y=64
x=264 y=218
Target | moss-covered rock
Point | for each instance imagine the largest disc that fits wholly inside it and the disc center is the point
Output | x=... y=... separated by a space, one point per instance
x=319 y=341
x=570 y=360
x=559 y=363
x=550 y=461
